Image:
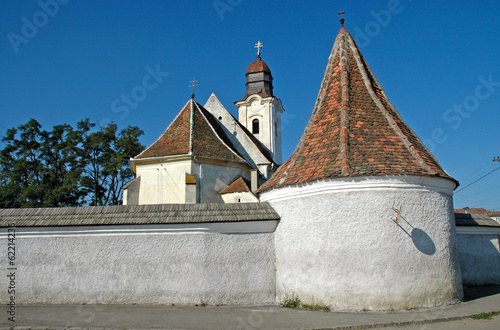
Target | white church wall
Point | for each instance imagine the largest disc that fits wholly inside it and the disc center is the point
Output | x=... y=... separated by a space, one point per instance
x=337 y=245
x=240 y=140
x=217 y=263
x=268 y=112
x=479 y=251
x=163 y=182
x=216 y=177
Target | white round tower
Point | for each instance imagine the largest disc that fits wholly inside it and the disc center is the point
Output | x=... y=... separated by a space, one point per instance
x=366 y=210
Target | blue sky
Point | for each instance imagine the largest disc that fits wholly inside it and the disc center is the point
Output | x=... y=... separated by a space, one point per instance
x=438 y=62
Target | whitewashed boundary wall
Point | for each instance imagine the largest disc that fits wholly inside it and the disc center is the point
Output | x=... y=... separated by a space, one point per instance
x=147 y=254
x=478 y=241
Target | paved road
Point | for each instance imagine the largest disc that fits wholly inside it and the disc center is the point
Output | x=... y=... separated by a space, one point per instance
x=462 y=324
x=249 y=317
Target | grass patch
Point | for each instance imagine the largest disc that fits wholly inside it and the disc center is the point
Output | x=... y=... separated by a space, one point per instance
x=291 y=302
x=484 y=316
x=296 y=303
x=316 y=307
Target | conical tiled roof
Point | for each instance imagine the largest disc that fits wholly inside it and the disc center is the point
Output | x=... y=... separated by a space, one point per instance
x=194 y=131
x=354 y=129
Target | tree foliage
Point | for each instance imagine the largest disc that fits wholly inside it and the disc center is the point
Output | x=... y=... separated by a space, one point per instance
x=66 y=166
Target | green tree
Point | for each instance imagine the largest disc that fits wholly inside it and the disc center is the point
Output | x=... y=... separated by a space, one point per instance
x=66 y=166
x=21 y=166
x=62 y=174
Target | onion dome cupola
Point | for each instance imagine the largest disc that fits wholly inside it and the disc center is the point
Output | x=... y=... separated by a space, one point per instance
x=259 y=78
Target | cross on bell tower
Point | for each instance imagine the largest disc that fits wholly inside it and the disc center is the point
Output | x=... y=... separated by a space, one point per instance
x=258 y=45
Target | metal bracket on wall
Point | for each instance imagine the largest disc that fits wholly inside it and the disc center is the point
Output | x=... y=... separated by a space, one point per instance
x=398 y=212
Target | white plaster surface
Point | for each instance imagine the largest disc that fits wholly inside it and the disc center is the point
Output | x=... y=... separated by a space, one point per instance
x=163 y=182
x=74 y=266
x=240 y=140
x=479 y=257
x=218 y=176
x=240 y=197
x=268 y=111
x=338 y=246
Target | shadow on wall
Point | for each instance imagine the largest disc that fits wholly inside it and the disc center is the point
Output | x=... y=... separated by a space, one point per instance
x=422 y=241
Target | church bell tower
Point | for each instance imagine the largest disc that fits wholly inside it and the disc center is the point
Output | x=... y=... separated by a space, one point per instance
x=259 y=111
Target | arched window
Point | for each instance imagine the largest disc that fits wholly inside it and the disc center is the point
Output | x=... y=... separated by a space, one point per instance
x=255 y=126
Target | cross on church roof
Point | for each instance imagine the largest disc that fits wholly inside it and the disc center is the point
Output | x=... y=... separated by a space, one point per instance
x=342 y=20
x=193 y=85
x=258 y=45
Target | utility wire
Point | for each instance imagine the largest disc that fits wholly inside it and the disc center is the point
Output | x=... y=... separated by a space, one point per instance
x=477 y=171
x=470 y=184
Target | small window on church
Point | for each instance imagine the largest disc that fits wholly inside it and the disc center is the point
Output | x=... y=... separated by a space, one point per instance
x=275 y=129
x=255 y=126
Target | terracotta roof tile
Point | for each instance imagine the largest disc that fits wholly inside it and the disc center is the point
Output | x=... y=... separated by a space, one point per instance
x=354 y=130
x=194 y=131
x=238 y=185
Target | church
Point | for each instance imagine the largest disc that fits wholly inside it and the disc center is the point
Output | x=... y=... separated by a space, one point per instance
x=207 y=156
x=360 y=180
x=360 y=217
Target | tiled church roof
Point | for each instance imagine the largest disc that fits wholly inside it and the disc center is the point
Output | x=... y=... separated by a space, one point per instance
x=194 y=131
x=354 y=129
x=238 y=185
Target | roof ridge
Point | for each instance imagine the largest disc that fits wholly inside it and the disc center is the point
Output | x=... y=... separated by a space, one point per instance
x=345 y=163
x=191 y=127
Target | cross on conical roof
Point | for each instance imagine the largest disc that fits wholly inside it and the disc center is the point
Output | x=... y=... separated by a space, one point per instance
x=354 y=129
